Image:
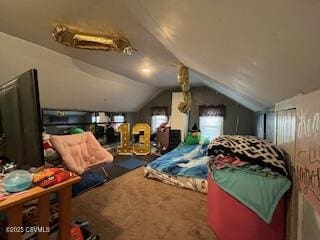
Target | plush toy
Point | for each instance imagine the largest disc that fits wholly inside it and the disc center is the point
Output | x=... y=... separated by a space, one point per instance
x=47 y=146
x=194 y=137
x=76 y=130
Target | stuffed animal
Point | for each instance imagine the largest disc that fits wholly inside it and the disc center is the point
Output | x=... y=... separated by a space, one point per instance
x=194 y=137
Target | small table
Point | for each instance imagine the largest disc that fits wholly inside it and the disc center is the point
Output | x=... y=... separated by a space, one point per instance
x=14 y=207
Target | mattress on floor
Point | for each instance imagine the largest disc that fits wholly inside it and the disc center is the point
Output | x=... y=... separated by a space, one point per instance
x=185 y=166
x=192 y=183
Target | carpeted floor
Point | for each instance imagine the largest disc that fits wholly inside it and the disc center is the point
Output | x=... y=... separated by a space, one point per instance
x=116 y=169
x=131 y=207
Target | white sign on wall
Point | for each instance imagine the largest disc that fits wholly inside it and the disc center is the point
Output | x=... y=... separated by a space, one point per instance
x=307 y=169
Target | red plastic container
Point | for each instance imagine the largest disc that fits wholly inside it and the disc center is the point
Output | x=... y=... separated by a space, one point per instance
x=231 y=220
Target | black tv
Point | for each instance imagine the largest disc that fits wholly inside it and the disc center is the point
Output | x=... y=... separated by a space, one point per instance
x=20 y=121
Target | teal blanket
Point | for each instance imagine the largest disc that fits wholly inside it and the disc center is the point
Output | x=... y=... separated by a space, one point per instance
x=261 y=193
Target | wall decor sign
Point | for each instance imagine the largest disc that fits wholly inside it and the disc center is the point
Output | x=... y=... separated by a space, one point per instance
x=307 y=157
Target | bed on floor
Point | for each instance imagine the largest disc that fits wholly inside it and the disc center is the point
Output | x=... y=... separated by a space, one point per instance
x=186 y=166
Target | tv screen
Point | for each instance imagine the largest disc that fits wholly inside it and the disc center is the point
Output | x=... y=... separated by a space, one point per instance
x=20 y=121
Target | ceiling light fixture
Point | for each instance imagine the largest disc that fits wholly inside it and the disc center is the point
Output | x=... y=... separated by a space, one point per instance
x=74 y=38
x=146 y=70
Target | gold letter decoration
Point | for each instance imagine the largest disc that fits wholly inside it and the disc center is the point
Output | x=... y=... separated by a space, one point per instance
x=125 y=147
x=142 y=147
x=77 y=39
x=183 y=79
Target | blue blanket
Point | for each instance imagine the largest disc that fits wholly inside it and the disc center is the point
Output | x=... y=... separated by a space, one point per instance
x=184 y=160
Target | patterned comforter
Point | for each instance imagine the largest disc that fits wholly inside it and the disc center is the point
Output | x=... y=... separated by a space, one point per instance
x=185 y=166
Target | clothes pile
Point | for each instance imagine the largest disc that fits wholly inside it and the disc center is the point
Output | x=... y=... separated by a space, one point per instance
x=250 y=169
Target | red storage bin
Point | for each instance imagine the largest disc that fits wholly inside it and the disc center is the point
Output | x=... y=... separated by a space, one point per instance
x=231 y=220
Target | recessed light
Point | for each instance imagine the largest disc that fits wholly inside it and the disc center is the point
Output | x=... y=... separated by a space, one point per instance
x=146 y=70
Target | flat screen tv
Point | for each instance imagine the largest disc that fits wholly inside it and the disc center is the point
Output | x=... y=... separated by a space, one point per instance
x=20 y=121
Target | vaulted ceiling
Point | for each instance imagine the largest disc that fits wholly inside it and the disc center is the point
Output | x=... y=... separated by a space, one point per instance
x=256 y=52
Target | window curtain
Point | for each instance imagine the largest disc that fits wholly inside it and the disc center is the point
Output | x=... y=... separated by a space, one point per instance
x=212 y=111
x=159 y=111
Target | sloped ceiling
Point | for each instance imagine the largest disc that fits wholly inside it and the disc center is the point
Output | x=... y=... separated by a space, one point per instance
x=267 y=50
x=68 y=83
x=256 y=52
x=34 y=21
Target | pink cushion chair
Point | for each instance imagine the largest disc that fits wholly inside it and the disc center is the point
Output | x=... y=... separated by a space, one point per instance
x=81 y=152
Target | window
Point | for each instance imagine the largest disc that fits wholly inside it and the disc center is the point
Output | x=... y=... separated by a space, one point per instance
x=94 y=117
x=211 y=121
x=157 y=120
x=118 y=120
x=159 y=115
x=261 y=125
x=211 y=126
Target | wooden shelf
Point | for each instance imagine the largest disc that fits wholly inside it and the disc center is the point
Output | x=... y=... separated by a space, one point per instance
x=13 y=205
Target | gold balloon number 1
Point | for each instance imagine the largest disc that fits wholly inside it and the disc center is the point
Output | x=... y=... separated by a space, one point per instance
x=142 y=147
x=125 y=147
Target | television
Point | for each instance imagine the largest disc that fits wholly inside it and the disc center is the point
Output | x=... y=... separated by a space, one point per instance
x=20 y=121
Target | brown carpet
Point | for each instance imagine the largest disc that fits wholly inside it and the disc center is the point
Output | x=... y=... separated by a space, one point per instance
x=132 y=207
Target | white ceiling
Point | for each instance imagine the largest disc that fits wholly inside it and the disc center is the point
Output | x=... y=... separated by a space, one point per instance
x=68 y=83
x=256 y=52
x=265 y=50
x=34 y=21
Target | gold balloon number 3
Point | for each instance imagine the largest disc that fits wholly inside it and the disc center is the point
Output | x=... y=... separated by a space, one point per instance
x=142 y=147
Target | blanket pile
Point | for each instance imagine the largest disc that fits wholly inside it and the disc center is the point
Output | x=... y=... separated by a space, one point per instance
x=250 y=149
x=250 y=169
